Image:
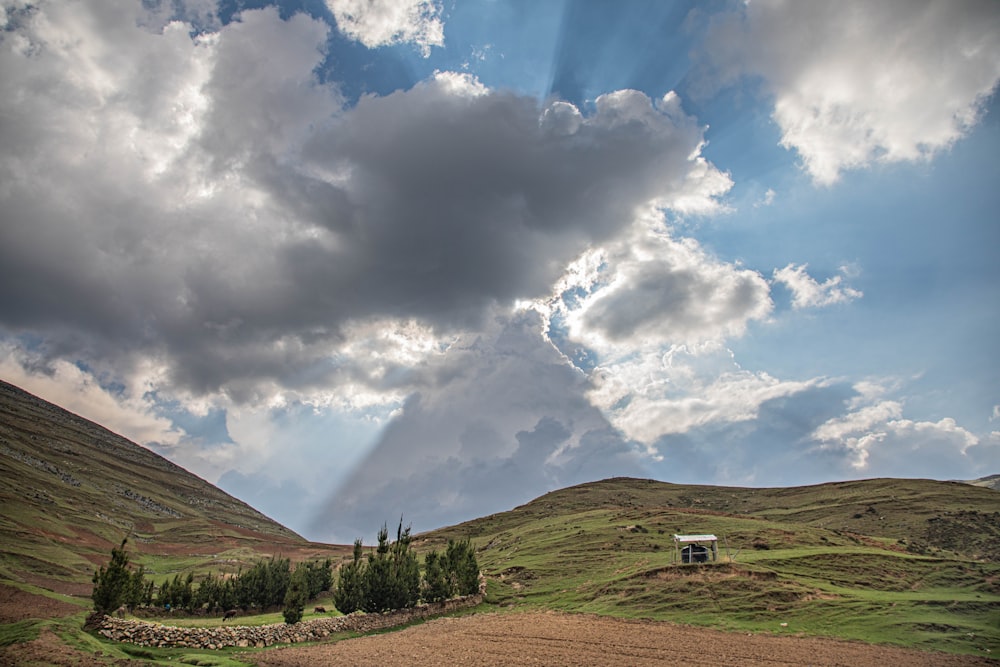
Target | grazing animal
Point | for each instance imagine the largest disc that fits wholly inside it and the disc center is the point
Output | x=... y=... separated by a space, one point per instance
x=319 y=610
x=229 y=614
x=120 y=612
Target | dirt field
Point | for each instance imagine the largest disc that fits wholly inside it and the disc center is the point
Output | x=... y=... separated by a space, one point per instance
x=560 y=639
x=16 y=605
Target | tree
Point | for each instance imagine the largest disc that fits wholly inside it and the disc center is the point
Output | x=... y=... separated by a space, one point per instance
x=112 y=583
x=392 y=577
x=405 y=570
x=436 y=584
x=377 y=577
x=296 y=595
x=319 y=576
x=350 y=594
x=462 y=568
x=139 y=591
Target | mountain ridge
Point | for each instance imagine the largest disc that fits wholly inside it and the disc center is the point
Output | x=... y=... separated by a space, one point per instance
x=73 y=489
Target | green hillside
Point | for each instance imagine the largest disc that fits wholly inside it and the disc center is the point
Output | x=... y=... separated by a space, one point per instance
x=72 y=489
x=908 y=562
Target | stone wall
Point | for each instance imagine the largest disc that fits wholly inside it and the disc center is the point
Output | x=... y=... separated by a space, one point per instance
x=145 y=633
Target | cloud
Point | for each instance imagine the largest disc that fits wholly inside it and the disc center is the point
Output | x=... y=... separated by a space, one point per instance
x=877 y=441
x=502 y=418
x=187 y=200
x=67 y=385
x=383 y=22
x=821 y=431
x=649 y=396
x=657 y=289
x=767 y=199
x=808 y=293
x=857 y=83
x=648 y=315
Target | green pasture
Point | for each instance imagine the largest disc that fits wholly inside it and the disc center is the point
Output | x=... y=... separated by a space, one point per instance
x=773 y=575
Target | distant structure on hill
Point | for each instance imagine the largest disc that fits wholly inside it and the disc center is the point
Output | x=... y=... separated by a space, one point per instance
x=696 y=549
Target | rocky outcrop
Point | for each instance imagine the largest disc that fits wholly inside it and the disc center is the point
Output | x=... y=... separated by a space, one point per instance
x=145 y=633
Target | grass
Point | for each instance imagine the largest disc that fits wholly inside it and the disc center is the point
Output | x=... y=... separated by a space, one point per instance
x=607 y=548
x=17 y=633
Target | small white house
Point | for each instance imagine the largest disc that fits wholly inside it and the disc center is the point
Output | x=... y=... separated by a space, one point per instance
x=696 y=549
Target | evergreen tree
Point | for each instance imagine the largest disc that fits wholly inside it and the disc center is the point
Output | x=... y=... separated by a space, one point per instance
x=392 y=577
x=462 y=567
x=436 y=584
x=112 y=583
x=296 y=595
x=377 y=584
x=405 y=571
x=137 y=588
x=186 y=593
x=350 y=595
x=319 y=576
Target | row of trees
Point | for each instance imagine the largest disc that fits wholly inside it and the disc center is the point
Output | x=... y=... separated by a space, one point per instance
x=265 y=585
x=390 y=577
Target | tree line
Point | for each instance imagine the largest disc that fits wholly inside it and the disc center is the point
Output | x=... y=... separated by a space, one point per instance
x=267 y=584
x=389 y=578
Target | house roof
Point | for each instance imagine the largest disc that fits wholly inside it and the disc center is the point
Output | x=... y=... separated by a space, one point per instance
x=695 y=538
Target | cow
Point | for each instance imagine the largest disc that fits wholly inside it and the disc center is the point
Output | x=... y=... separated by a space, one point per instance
x=228 y=615
x=319 y=610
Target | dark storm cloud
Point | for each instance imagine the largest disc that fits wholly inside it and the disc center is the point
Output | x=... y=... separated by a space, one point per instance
x=231 y=221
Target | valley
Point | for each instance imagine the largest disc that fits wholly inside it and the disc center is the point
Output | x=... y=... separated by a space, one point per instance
x=884 y=565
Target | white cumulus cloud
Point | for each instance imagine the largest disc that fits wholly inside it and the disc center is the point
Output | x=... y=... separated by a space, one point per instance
x=382 y=22
x=807 y=292
x=856 y=83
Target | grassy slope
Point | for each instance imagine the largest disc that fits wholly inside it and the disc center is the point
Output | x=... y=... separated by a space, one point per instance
x=907 y=562
x=72 y=489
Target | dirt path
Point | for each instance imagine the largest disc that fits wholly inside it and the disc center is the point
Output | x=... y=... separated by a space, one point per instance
x=560 y=639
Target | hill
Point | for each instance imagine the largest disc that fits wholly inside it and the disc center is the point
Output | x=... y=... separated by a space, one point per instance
x=73 y=489
x=907 y=562
x=990 y=482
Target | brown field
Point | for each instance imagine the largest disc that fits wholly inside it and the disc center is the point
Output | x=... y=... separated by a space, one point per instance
x=563 y=639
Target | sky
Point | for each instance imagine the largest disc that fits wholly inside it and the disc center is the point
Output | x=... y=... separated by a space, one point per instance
x=358 y=260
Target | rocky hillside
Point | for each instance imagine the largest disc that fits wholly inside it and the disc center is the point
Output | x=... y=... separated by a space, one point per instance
x=72 y=489
x=990 y=482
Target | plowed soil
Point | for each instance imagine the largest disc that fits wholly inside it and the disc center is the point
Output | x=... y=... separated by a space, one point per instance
x=17 y=605
x=561 y=639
